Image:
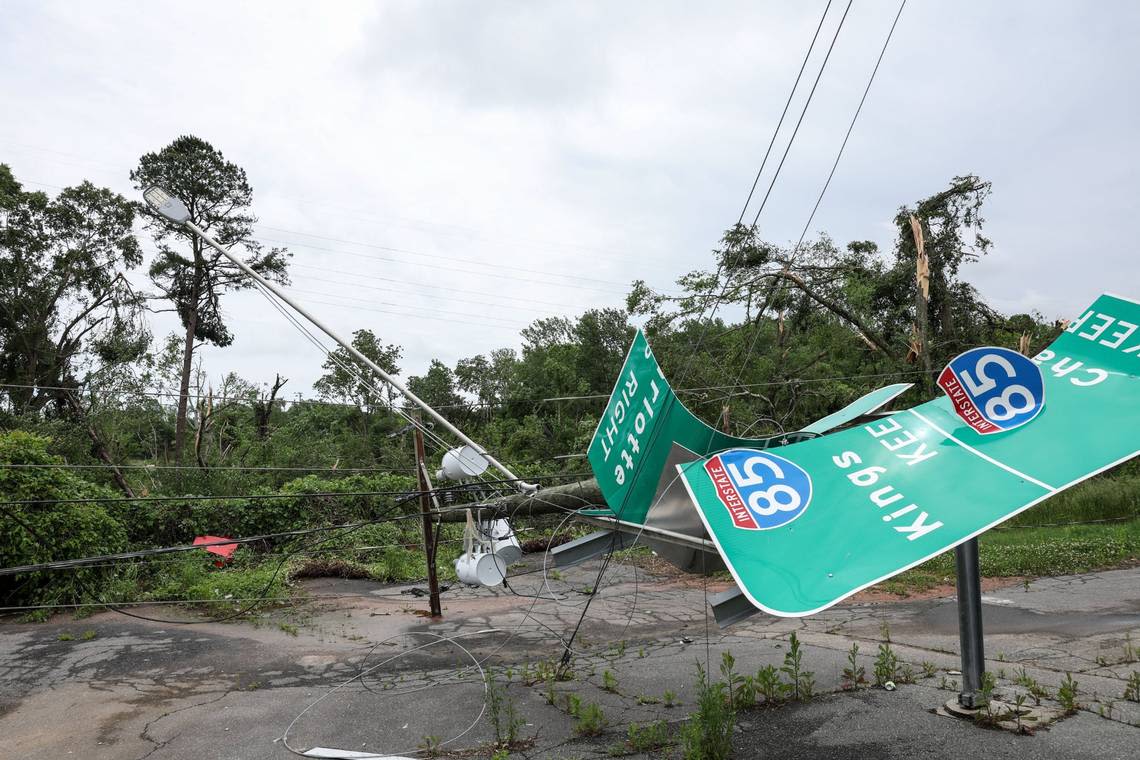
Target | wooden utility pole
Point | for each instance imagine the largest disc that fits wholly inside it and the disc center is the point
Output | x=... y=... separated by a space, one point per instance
x=426 y=499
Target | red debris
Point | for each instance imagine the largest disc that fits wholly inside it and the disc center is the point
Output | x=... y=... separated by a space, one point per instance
x=225 y=551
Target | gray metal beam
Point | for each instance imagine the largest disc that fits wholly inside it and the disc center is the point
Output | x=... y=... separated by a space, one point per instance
x=587 y=547
x=731 y=606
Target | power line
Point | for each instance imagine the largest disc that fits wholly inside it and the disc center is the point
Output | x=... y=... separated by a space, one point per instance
x=197 y=497
x=430 y=296
x=720 y=266
x=87 y=561
x=390 y=249
x=795 y=250
x=453 y=269
x=507 y=402
x=784 y=113
x=221 y=468
x=850 y=126
x=803 y=112
x=466 y=315
x=369 y=276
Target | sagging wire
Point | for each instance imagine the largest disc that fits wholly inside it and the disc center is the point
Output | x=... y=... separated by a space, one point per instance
x=354 y=372
x=347 y=367
x=438 y=640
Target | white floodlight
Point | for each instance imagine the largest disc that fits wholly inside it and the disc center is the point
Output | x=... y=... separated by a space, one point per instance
x=461 y=463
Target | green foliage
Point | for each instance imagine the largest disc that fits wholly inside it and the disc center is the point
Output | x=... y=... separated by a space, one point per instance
x=591 y=720
x=801 y=683
x=35 y=533
x=1132 y=689
x=339 y=384
x=502 y=711
x=609 y=681
x=1067 y=694
x=194 y=577
x=67 y=308
x=854 y=675
x=769 y=684
x=886 y=665
x=647 y=737
x=707 y=735
x=430 y=746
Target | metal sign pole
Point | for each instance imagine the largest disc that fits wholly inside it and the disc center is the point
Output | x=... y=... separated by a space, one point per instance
x=970 y=623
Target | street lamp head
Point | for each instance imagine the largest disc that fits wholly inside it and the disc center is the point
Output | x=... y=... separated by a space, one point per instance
x=166 y=204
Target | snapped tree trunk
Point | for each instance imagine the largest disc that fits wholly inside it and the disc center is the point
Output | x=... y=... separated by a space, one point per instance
x=98 y=446
x=263 y=409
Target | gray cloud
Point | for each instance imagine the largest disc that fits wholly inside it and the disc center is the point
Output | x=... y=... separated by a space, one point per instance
x=588 y=140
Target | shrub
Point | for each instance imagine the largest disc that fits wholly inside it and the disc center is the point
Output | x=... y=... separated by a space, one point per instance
x=35 y=533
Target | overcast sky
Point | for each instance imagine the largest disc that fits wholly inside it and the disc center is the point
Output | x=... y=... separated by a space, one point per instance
x=488 y=163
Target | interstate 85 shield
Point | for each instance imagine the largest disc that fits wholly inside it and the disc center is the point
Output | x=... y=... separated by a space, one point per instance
x=993 y=389
x=760 y=490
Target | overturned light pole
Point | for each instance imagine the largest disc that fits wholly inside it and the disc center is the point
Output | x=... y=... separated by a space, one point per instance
x=174 y=210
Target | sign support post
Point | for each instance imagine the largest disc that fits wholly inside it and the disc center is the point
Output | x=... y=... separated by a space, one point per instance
x=970 y=623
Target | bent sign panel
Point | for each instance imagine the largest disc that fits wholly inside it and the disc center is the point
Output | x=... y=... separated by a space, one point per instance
x=644 y=418
x=833 y=515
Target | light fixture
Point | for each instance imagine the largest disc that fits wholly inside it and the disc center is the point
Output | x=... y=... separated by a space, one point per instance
x=167 y=205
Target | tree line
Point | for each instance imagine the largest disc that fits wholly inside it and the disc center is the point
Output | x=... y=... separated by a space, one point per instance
x=809 y=328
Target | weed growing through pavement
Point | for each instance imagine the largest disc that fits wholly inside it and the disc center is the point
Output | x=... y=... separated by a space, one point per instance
x=1067 y=694
x=609 y=682
x=1132 y=689
x=430 y=746
x=801 y=683
x=1131 y=653
x=501 y=708
x=854 y=675
x=886 y=665
x=1036 y=690
x=769 y=685
x=906 y=673
x=646 y=737
x=591 y=720
x=707 y=735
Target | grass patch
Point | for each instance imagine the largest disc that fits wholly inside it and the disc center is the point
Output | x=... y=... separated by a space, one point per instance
x=1033 y=552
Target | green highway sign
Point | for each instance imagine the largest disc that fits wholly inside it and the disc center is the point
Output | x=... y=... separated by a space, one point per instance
x=644 y=418
x=806 y=525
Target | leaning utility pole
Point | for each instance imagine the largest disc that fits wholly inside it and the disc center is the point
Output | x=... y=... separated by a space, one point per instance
x=426 y=499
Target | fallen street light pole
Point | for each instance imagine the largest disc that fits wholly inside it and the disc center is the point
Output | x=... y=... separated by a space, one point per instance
x=970 y=624
x=174 y=210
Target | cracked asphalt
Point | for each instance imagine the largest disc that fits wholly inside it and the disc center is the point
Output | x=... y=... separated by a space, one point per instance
x=139 y=689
